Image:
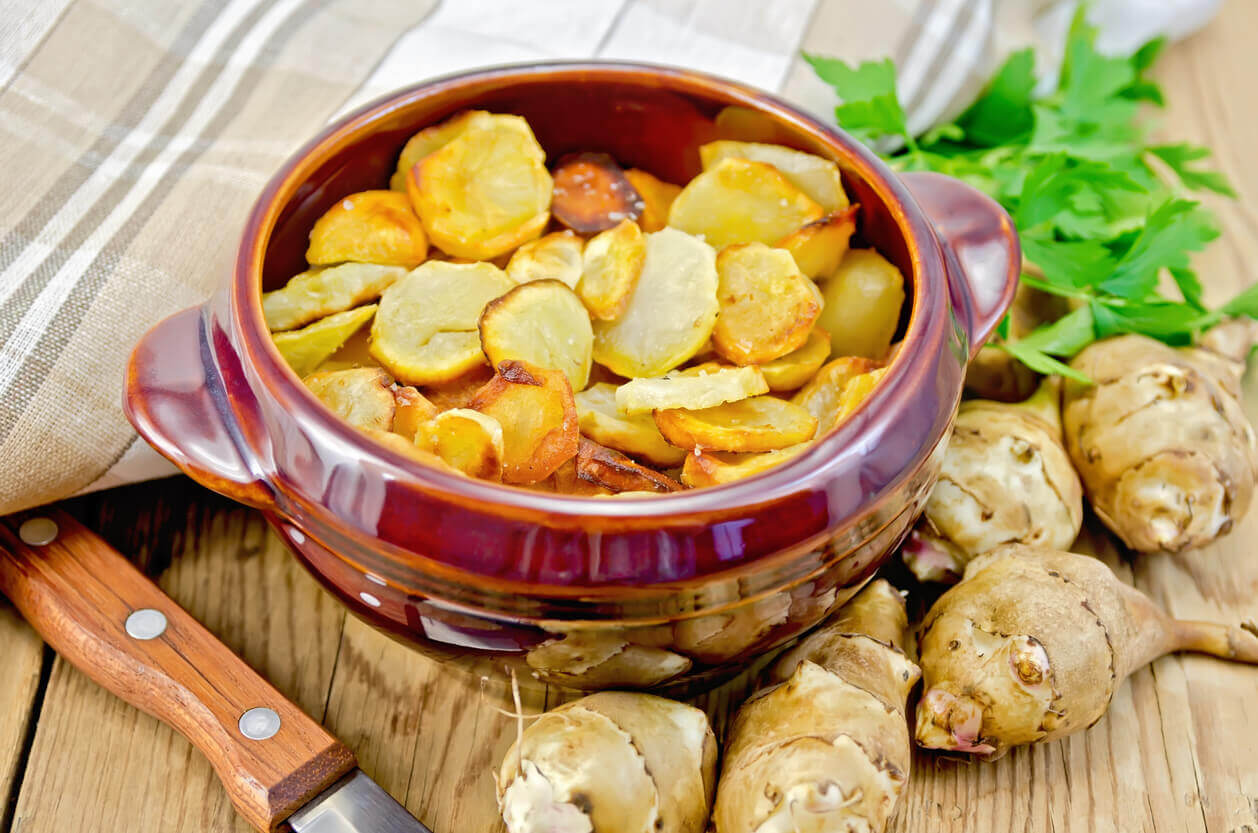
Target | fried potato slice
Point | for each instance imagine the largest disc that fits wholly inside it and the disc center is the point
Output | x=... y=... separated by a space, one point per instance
x=857 y=391
x=458 y=392
x=671 y=312
x=862 y=304
x=430 y=140
x=407 y=448
x=538 y=417
x=317 y=293
x=413 y=410
x=767 y=306
x=695 y=388
x=467 y=440
x=616 y=472
x=795 y=368
x=737 y=201
x=485 y=192
x=592 y=193
x=657 y=197
x=425 y=330
x=634 y=434
x=818 y=247
x=369 y=227
x=361 y=396
x=542 y=323
x=762 y=423
x=817 y=177
x=714 y=468
x=610 y=270
x=312 y=345
x=556 y=256
x=823 y=395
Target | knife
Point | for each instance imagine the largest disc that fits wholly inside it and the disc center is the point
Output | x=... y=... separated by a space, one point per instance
x=280 y=768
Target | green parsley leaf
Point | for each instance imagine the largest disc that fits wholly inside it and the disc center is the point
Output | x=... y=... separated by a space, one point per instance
x=1179 y=158
x=1003 y=113
x=870 y=107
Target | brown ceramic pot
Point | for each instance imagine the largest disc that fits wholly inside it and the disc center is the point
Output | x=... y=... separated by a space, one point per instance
x=672 y=592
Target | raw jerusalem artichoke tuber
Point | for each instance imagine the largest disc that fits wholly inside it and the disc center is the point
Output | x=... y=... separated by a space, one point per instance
x=1006 y=478
x=827 y=747
x=1033 y=643
x=613 y=762
x=1165 y=452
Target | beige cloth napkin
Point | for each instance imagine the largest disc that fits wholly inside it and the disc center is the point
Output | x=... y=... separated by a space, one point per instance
x=135 y=134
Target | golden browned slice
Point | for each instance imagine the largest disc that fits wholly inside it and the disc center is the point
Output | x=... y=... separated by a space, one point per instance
x=634 y=434
x=485 y=192
x=538 y=417
x=542 y=323
x=714 y=468
x=425 y=330
x=819 y=247
x=737 y=201
x=657 y=197
x=825 y=396
x=611 y=266
x=413 y=410
x=671 y=312
x=468 y=440
x=458 y=392
x=361 y=396
x=556 y=256
x=369 y=227
x=794 y=369
x=317 y=293
x=817 y=177
x=862 y=304
x=431 y=139
x=767 y=306
x=694 y=388
x=309 y=347
x=617 y=473
x=592 y=193
x=761 y=423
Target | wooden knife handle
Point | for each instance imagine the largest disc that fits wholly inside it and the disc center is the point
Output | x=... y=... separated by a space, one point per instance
x=80 y=594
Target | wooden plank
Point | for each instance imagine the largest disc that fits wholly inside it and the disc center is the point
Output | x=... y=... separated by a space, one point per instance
x=22 y=659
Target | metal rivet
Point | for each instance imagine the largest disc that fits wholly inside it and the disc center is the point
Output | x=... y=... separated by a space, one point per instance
x=259 y=723
x=374 y=579
x=38 y=531
x=146 y=624
x=369 y=599
x=297 y=535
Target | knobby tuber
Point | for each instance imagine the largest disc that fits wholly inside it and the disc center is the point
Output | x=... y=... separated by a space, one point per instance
x=1032 y=644
x=1006 y=478
x=996 y=374
x=1165 y=452
x=613 y=762
x=826 y=747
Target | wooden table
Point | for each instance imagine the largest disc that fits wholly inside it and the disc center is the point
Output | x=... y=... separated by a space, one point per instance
x=1178 y=751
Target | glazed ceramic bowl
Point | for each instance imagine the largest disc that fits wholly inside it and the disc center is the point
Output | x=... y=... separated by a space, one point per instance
x=670 y=592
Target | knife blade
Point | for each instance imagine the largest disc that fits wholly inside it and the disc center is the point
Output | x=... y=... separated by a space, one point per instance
x=355 y=805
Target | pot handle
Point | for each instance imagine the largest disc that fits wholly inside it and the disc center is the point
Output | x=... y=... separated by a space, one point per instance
x=176 y=400
x=980 y=246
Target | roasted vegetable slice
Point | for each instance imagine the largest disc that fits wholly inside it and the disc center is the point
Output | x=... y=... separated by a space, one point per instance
x=317 y=293
x=309 y=347
x=485 y=192
x=458 y=392
x=616 y=472
x=657 y=197
x=699 y=387
x=592 y=193
x=819 y=247
x=369 y=227
x=817 y=177
x=762 y=423
x=362 y=396
x=425 y=331
x=823 y=396
x=538 y=418
x=767 y=306
x=406 y=448
x=795 y=368
x=413 y=410
x=557 y=256
x=468 y=440
x=737 y=201
x=542 y=323
x=612 y=264
x=432 y=139
x=714 y=468
x=635 y=434
x=671 y=312
x=862 y=304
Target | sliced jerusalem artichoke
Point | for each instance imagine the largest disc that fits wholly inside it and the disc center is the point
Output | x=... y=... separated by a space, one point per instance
x=1006 y=479
x=1033 y=643
x=319 y=292
x=613 y=762
x=592 y=193
x=369 y=227
x=611 y=266
x=657 y=197
x=793 y=370
x=306 y=349
x=761 y=423
x=361 y=396
x=862 y=304
x=542 y=323
x=819 y=246
x=827 y=746
x=698 y=387
x=1166 y=455
x=555 y=256
x=538 y=417
x=714 y=468
x=767 y=306
x=615 y=472
x=738 y=201
x=817 y=177
x=634 y=434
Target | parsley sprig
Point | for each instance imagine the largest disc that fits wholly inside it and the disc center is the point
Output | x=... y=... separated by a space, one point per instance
x=1100 y=208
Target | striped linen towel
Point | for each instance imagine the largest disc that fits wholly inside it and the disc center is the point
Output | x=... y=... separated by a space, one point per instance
x=134 y=135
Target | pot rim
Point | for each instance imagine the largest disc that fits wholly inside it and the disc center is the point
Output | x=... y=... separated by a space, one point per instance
x=926 y=333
